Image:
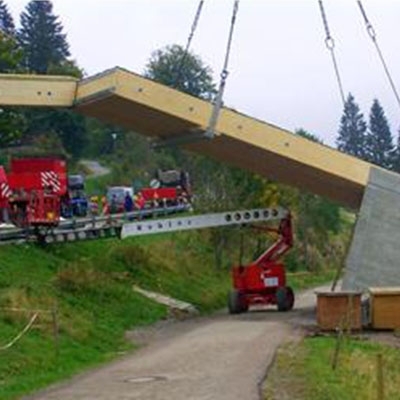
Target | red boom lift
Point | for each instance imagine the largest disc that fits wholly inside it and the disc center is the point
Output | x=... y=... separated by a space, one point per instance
x=264 y=280
x=261 y=282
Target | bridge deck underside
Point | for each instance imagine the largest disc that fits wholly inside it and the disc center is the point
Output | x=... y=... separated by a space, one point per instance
x=137 y=117
x=280 y=169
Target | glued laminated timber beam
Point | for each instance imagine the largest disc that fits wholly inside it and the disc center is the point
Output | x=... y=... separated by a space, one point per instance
x=123 y=98
x=37 y=90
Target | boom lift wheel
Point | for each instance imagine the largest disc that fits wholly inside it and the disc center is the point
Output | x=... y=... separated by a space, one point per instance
x=284 y=298
x=236 y=303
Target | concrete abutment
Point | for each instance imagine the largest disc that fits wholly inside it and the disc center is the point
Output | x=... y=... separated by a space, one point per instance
x=374 y=255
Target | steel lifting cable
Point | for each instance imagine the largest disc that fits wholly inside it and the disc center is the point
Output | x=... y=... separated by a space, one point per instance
x=224 y=75
x=189 y=41
x=372 y=35
x=330 y=44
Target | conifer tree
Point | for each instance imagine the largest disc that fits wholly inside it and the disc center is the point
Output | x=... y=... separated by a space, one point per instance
x=12 y=121
x=41 y=37
x=6 y=20
x=10 y=52
x=379 y=143
x=46 y=51
x=395 y=158
x=352 y=130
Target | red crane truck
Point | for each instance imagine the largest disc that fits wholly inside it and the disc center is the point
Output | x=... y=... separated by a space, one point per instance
x=34 y=190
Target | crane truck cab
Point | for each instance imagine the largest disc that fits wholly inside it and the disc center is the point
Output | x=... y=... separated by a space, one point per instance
x=78 y=200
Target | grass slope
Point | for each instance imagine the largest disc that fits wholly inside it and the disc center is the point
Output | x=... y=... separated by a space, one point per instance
x=90 y=286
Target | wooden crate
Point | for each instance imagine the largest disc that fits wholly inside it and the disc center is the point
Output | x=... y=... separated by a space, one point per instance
x=385 y=307
x=339 y=310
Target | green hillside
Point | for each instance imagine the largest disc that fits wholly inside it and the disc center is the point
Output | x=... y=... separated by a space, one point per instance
x=85 y=291
x=89 y=287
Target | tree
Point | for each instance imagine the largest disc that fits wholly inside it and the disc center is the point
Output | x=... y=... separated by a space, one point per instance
x=352 y=130
x=395 y=158
x=10 y=53
x=68 y=127
x=11 y=121
x=172 y=66
x=6 y=20
x=41 y=37
x=379 y=143
x=12 y=124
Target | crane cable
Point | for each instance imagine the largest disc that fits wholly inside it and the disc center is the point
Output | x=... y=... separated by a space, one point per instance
x=210 y=132
x=372 y=35
x=189 y=41
x=330 y=44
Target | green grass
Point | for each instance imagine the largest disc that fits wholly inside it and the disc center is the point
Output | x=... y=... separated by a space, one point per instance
x=94 y=309
x=305 y=279
x=97 y=185
x=303 y=371
x=90 y=284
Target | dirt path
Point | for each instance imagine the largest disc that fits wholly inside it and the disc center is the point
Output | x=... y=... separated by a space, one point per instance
x=95 y=167
x=222 y=357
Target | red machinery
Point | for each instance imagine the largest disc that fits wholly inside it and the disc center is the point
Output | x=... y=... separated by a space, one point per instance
x=35 y=189
x=163 y=195
x=169 y=188
x=261 y=282
x=264 y=280
x=5 y=193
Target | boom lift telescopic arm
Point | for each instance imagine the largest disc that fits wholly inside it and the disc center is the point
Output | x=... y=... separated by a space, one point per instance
x=282 y=245
x=147 y=227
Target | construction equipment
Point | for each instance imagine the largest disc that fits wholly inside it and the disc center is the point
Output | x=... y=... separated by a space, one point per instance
x=262 y=281
x=76 y=203
x=35 y=189
x=5 y=194
x=37 y=192
x=169 y=188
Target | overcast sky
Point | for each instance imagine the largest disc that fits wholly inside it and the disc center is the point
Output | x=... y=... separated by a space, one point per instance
x=280 y=69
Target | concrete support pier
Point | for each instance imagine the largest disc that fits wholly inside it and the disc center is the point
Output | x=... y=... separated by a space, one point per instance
x=374 y=256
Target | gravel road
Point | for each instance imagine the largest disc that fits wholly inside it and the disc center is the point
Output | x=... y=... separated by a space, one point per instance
x=95 y=167
x=221 y=357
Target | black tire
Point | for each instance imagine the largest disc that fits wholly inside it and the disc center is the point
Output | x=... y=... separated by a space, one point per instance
x=284 y=298
x=235 y=303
